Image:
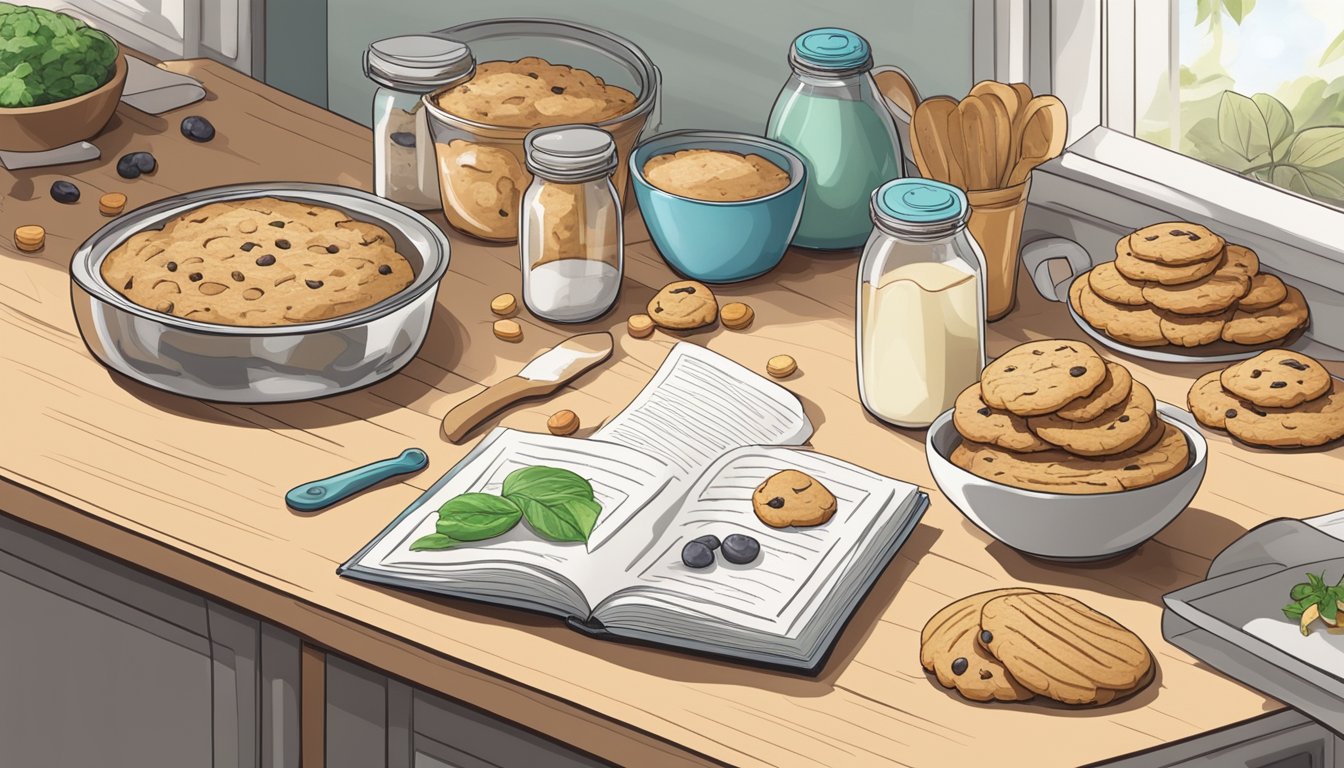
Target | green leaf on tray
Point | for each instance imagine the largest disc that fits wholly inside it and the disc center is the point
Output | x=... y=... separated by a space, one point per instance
x=1241 y=126
x=477 y=516
x=434 y=541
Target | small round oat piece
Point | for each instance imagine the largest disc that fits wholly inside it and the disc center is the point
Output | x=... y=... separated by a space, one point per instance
x=1211 y=404
x=1175 y=243
x=1266 y=291
x=508 y=330
x=978 y=422
x=1041 y=377
x=1114 y=287
x=563 y=423
x=30 y=237
x=1110 y=392
x=781 y=366
x=1277 y=379
x=112 y=204
x=737 y=315
x=504 y=304
x=639 y=326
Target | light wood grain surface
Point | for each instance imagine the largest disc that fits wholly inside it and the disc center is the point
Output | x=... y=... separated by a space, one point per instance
x=193 y=491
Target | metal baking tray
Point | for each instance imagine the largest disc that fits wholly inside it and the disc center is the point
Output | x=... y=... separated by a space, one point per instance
x=267 y=364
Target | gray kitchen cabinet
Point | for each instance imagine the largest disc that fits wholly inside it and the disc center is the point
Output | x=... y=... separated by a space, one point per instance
x=377 y=722
x=104 y=665
x=1282 y=740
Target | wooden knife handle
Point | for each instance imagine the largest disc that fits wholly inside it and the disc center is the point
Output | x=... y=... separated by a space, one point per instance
x=465 y=416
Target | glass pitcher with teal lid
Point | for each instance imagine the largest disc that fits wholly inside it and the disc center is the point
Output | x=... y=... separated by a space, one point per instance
x=832 y=114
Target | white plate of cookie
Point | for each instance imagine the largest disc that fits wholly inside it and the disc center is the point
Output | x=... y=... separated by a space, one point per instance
x=1178 y=292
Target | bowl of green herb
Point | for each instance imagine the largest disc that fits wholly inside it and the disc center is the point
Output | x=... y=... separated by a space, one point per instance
x=60 y=79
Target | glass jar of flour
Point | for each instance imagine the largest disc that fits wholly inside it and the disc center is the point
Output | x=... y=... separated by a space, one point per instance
x=921 y=303
x=573 y=254
x=405 y=68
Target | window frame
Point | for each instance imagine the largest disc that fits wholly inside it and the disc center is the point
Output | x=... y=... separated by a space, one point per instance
x=1107 y=182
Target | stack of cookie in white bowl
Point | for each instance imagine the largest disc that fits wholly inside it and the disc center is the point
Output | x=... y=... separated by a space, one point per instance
x=1053 y=416
x=1277 y=399
x=1181 y=284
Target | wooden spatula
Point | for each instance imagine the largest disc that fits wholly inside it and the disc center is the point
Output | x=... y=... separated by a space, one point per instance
x=929 y=140
x=547 y=373
x=1045 y=125
x=897 y=87
x=1002 y=102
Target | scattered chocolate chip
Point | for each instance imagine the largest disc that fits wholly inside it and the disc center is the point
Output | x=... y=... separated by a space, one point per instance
x=989 y=459
x=314 y=284
x=278 y=223
x=384 y=269
x=984 y=411
x=1296 y=365
x=1131 y=467
x=248 y=246
x=1039 y=352
x=557 y=90
x=333 y=249
x=1256 y=373
x=403 y=139
x=696 y=555
x=195 y=277
x=128 y=285
x=986 y=637
x=238 y=276
x=533 y=75
x=63 y=191
x=1010 y=369
x=1124 y=419
x=1193 y=237
x=503 y=214
x=171 y=266
x=1150 y=238
x=265 y=261
x=282 y=244
x=709 y=540
x=1077 y=370
x=1278 y=384
x=959 y=665
x=775 y=503
x=684 y=289
x=985 y=674
x=740 y=549
x=197 y=128
x=1257 y=411
x=1177 y=232
x=1230 y=413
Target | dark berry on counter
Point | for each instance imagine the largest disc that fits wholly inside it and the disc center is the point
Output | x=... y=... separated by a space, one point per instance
x=696 y=555
x=710 y=541
x=403 y=139
x=739 y=549
x=64 y=192
x=133 y=164
x=197 y=128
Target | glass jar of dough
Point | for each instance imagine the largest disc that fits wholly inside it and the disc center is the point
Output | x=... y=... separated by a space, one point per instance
x=571 y=231
x=405 y=68
x=921 y=303
x=832 y=114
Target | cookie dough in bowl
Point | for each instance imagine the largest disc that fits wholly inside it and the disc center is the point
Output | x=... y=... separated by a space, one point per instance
x=530 y=74
x=305 y=341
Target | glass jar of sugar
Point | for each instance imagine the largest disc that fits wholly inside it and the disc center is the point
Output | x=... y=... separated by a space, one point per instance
x=405 y=68
x=573 y=254
x=921 y=303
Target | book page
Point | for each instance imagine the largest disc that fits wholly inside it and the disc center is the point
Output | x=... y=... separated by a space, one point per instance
x=700 y=405
x=797 y=568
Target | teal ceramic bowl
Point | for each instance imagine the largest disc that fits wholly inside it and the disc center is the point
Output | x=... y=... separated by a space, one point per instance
x=720 y=242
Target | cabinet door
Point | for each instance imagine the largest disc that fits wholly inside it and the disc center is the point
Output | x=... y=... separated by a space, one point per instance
x=101 y=664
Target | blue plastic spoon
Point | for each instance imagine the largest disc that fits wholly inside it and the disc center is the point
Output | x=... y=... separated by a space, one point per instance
x=321 y=494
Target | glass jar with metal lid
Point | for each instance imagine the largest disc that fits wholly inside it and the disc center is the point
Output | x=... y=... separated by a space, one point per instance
x=405 y=68
x=832 y=114
x=920 y=323
x=573 y=254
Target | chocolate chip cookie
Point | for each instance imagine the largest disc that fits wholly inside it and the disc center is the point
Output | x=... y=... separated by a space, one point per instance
x=1112 y=391
x=1266 y=325
x=1277 y=378
x=1134 y=268
x=1109 y=284
x=1210 y=403
x=1058 y=647
x=1041 y=376
x=1117 y=429
x=1242 y=259
x=1266 y=291
x=1213 y=293
x=1136 y=326
x=948 y=648
x=1309 y=424
x=1058 y=471
x=1192 y=330
x=1175 y=244
x=683 y=305
x=531 y=93
x=793 y=498
x=977 y=421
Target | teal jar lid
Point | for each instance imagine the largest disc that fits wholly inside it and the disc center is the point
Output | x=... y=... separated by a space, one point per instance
x=831 y=50
x=919 y=205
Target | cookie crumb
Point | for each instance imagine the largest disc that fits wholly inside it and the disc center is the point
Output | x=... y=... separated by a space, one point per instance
x=781 y=366
x=30 y=238
x=563 y=423
x=504 y=304
x=737 y=315
x=508 y=330
x=112 y=204
x=640 y=326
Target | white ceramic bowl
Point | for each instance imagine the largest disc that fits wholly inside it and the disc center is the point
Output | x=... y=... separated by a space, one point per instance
x=1062 y=526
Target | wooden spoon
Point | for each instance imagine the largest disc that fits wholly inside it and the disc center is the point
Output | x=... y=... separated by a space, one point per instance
x=1045 y=125
x=929 y=140
x=1003 y=104
x=961 y=174
x=984 y=148
x=899 y=90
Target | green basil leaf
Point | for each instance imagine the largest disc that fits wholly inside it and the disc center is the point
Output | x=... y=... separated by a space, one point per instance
x=1293 y=612
x=1317 y=582
x=1300 y=591
x=546 y=484
x=477 y=516
x=1329 y=609
x=563 y=520
x=433 y=541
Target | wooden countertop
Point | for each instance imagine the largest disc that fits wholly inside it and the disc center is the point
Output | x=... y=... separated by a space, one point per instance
x=193 y=491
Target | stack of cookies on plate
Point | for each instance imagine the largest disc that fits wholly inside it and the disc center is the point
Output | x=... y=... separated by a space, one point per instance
x=1278 y=399
x=1013 y=644
x=1179 y=283
x=1053 y=416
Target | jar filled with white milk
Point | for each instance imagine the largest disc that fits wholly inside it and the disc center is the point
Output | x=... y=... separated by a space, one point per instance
x=921 y=304
x=571 y=231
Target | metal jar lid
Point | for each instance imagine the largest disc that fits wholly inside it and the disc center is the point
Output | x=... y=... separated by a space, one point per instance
x=920 y=208
x=830 y=52
x=571 y=154
x=419 y=63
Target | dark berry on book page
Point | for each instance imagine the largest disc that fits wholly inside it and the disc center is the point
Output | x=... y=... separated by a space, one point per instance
x=696 y=555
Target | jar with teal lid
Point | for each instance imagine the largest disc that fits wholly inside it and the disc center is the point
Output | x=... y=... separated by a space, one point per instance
x=832 y=114
x=920 y=318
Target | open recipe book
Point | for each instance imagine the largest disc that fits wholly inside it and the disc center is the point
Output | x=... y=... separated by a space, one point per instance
x=680 y=462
